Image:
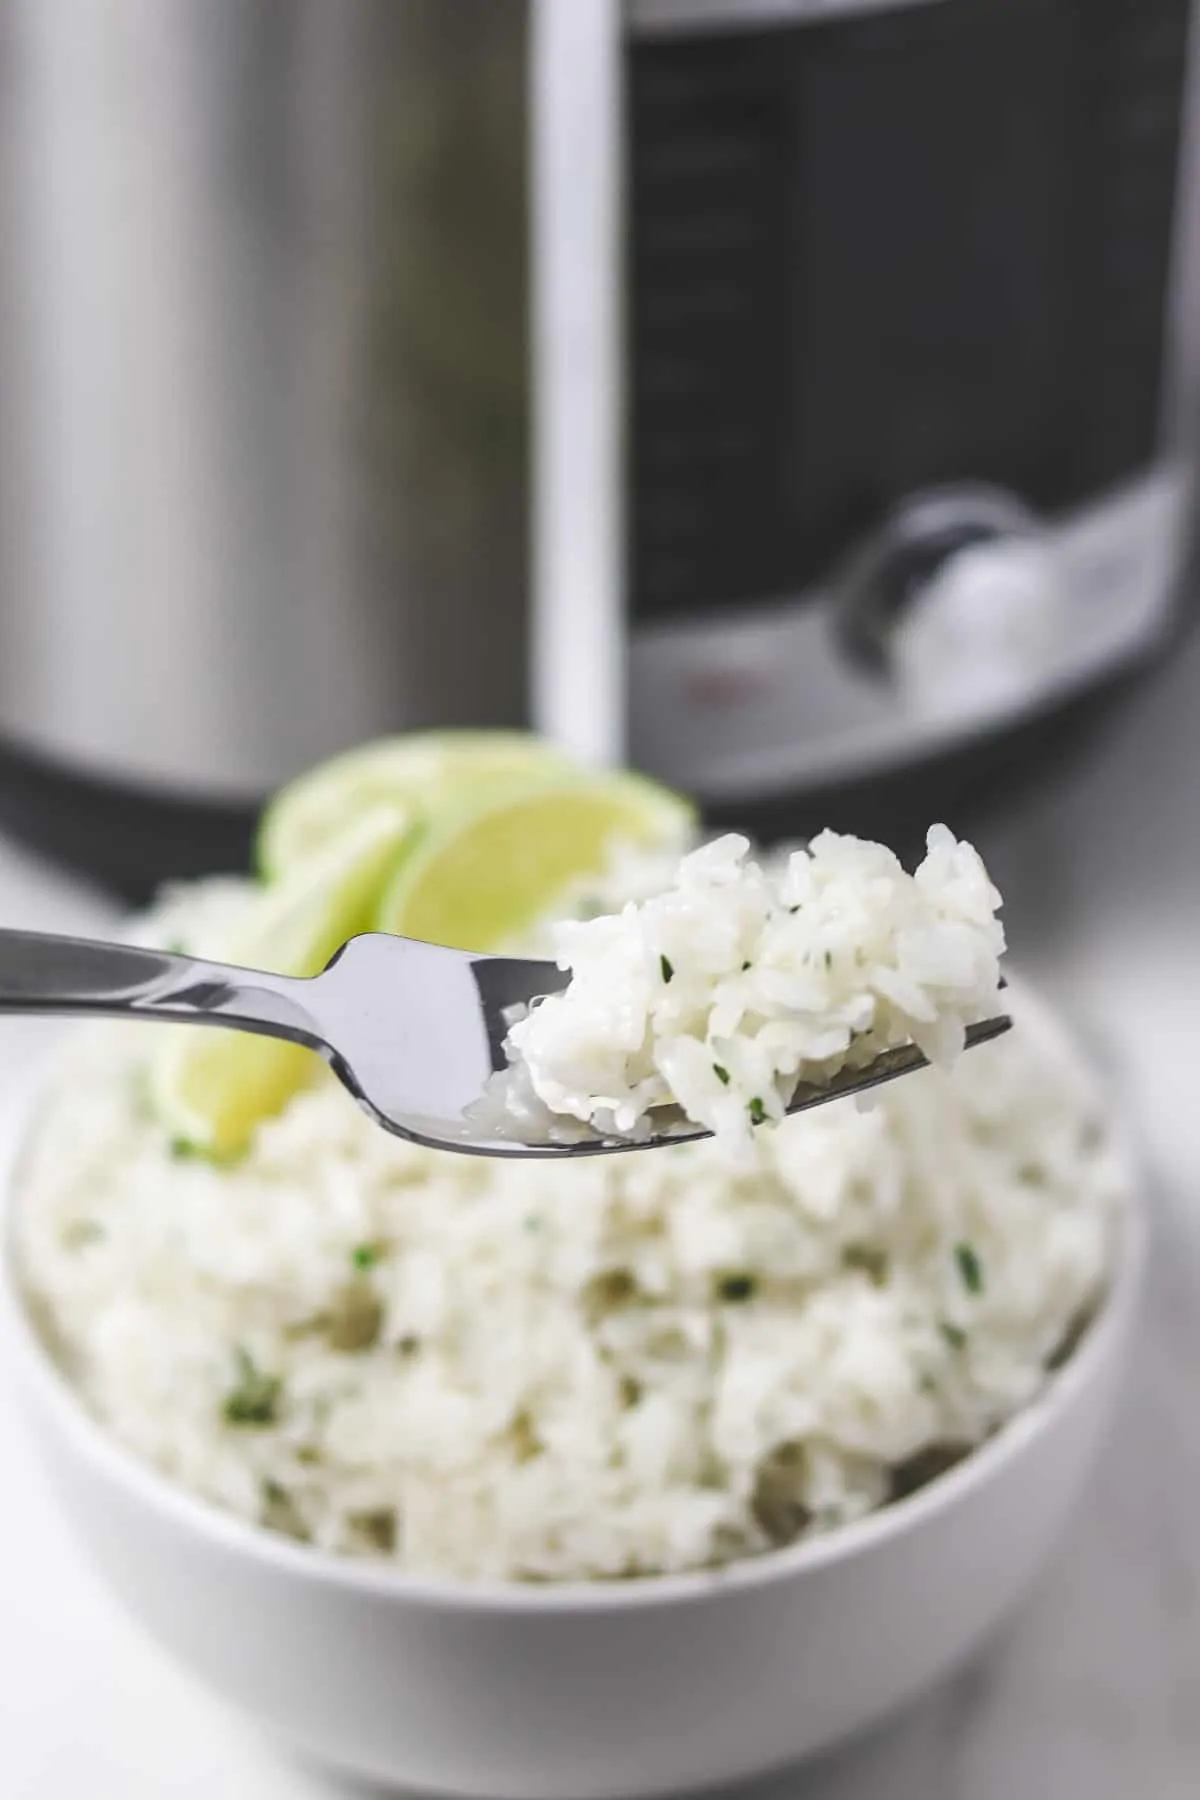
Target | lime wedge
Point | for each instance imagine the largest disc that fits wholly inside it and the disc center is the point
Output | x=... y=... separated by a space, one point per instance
x=427 y=772
x=478 y=880
x=213 y=1087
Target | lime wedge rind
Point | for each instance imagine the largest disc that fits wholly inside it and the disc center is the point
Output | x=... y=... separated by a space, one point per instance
x=464 y=838
x=428 y=772
x=484 y=876
x=211 y=1088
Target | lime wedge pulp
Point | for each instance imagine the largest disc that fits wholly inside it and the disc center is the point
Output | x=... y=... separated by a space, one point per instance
x=478 y=880
x=213 y=1087
x=427 y=772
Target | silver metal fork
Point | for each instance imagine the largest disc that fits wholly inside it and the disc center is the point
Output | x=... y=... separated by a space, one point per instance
x=413 y=1030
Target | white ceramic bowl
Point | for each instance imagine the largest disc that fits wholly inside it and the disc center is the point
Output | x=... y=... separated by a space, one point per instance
x=583 y=1692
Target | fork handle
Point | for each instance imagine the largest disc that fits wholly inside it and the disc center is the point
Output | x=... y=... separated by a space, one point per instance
x=40 y=973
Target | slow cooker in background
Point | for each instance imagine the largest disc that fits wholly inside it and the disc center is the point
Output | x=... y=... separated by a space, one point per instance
x=790 y=398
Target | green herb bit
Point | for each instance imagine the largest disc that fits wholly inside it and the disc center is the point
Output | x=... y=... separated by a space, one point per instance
x=721 y=1074
x=365 y=1256
x=757 y=1111
x=280 y=1512
x=355 y=1318
x=526 y=1444
x=793 y=909
x=954 y=1335
x=870 y=1262
x=377 y=1527
x=734 y=1289
x=182 y=1150
x=255 y=1399
x=969 y=1267
x=665 y=964
x=409 y=1344
x=608 y=1290
x=630 y=1390
x=747 y=965
x=829 y=959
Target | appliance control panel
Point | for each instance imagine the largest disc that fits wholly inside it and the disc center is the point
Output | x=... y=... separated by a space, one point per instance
x=877 y=249
x=763 y=701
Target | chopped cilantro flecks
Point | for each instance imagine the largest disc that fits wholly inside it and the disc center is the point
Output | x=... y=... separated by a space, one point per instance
x=255 y=1399
x=365 y=1256
x=281 y=1513
x=721 y=1074
x=182 y=1150
x=664 y=963
x=868 y=1260
x=829 y=959
x=746 y=965
x=355 y=1318
x=793 y=909
x=609 y=1289
x=733 y=1289
x=377 y=1527
x=757 y=1111
x=969 y=1267
x=954 y=1335
x=630 y=1389
x=409 y=1344
x=524 y=1441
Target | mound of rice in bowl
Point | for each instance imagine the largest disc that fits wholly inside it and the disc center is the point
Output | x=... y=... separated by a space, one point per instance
x=624 y=1366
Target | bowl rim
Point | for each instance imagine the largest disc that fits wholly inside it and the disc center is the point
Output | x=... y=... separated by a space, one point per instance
x=378 y=1580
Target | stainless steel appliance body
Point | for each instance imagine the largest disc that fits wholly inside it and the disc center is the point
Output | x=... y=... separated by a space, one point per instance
x=789 y=396
x=264 y=350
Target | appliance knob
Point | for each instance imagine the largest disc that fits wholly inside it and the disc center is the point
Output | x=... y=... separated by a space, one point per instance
x=958 y=601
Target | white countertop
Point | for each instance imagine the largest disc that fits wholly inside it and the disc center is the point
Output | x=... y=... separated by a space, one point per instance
x=1093 y=1693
